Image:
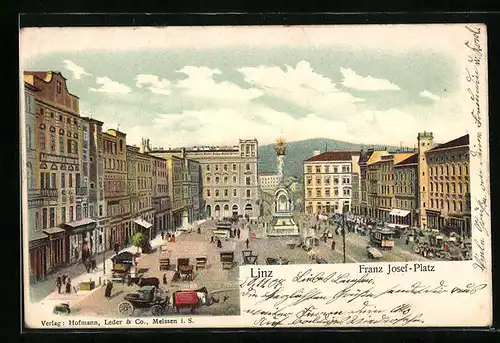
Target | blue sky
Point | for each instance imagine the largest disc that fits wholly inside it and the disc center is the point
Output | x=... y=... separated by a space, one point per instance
x=302 y=86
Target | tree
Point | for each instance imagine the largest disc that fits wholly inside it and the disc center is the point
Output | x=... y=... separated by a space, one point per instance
x=138 y=240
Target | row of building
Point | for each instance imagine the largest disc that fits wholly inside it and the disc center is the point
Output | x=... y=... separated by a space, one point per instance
x=88 y=186
x=427 y=188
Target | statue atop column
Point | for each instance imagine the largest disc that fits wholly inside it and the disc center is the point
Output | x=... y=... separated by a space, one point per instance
x=280 y=152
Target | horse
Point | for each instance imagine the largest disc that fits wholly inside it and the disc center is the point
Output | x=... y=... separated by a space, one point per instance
x=148 y=281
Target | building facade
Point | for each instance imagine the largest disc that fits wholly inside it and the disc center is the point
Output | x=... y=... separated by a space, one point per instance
x=229 y=178
x=160 y=197
x=38 y=240
x=328 y=182
x=96 y=202
x=448 y=187
x=363 y=164
x=373 y=182
x=425 y=141
x=59 y=176
x=118 y=228
x=406 y=192
x=268 y=182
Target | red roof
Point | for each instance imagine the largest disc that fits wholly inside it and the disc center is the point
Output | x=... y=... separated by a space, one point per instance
x=413 y=159
x=333 y=156
x=460 y=141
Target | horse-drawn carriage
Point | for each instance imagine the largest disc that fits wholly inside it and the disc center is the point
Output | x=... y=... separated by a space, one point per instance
x=122 y=264
x=191 y=299
x=164 y=258
x=227 y=259
x=277 y=261
x=185 y=269
x=147 y=297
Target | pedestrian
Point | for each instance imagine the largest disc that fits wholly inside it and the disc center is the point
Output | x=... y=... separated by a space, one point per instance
x=64 y=278
x=333 y=245
x=59 y=283
x=68 y=285
x=164 y=279
x=173 y=238
x=407 y=240
x=325 y=237
x=199 y=230
x=219 y=243
x=109 y=288
x=238 y=233
x=212 y=239
x=162 y=235
x=247 y=242
x=117 y=248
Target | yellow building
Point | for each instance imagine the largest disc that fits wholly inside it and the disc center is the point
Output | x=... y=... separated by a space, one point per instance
x=448 y=187
x=328 y=181
x=373 y=182
x=406 y=192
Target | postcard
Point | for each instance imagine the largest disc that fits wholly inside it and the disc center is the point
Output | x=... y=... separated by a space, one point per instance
x=255 y=176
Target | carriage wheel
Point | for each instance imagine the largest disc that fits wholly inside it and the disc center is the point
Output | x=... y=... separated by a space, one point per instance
x=126 y=308
x=156 y=310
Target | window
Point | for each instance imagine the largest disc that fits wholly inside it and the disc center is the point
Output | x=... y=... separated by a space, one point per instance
x=346 y=191
x=447 y=188
x=42 y=140
x=225 y=167
x=234 y=179
x=432 y=187
x=37 y=221
x=52 y=217
x=71 y=213
x=336 y=181
x=63 y=180
x=52 y=180
x=309 y=193
x=70 y=177
x=327 y=192
x=318 y=169
x=225 y=180
x=466 y=170
x=217 y=179
x=44 y=218
x=336 y=191
x=234 y=192
x=318 y=192
x=216 y=192
x=442 y=204
x=208 y=193
x=309 y=169
x=208 y=179
x=432 y=203
x=327 y=169
x=121 y=146
x=318 y=180
x=247 y=180
x=234 y=167
x=208 y=167
x=460 y=206
x=216 y=167
x=63 y=214
x=226 y=192
x=100 y=210
x=249 y=193
x=335 y=169
x=309 y=180
x=460 y=189
x=247 y=167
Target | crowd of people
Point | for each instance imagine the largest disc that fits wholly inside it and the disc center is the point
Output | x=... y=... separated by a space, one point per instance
x=63 y=284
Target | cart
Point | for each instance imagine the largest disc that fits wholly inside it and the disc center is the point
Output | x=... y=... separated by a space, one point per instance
x=373 y=253
x=147 y=297
x=191 y=299
x=227 y=259
x=122 y=263
x=201 y=262
x=164 y=258
x=248 y=257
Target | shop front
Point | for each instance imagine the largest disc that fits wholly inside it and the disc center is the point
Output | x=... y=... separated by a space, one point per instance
x=79 y=235
x=143 y=227
x=38 y=259
x=398 y=216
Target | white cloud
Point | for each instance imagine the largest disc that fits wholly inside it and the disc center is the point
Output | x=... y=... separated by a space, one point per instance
x=110 y=86
x=77 y=70
x=427 y=94
x=365 y=83
x=200 y=84
x=302 y=86
x=154 y=83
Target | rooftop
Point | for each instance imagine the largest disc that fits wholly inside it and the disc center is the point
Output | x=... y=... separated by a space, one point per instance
x=460 y=141
x=333 y=156
x=413 y=159
x=376 y=156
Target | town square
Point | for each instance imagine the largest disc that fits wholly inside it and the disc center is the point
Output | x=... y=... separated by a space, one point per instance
x=145 y=191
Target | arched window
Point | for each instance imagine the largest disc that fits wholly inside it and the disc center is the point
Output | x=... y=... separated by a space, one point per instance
x=447 y=188
x=442 y=204
x=432 y=203
x=208 y=178
x=448 y=205
x=442 y=171
x=460 y=188
x=460 y=206
x=217 y=180
x=432 y=187
x=454 y=187
x=234 y=178
x=447 y=170
x=454 y=206
x=441 y=187
x=452 y=169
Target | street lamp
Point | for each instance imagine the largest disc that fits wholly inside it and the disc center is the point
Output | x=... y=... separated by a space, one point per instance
x=343 y=232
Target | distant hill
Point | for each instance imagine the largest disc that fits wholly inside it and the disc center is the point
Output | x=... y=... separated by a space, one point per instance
x=297 y=152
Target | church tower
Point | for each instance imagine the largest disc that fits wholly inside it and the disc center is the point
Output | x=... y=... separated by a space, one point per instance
x=425 y=140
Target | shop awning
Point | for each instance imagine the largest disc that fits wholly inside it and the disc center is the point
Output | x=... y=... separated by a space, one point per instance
x=82 y=225
x=399 y=213
x=53 y=230
x=143 y=223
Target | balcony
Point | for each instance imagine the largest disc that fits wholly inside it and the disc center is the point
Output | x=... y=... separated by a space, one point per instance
x=48 y=192
x=81 y=191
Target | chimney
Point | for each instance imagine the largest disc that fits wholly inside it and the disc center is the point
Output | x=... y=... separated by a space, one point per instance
x=316 y=152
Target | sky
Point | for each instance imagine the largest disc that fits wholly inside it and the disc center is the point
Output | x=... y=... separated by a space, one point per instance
x=212 y=86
